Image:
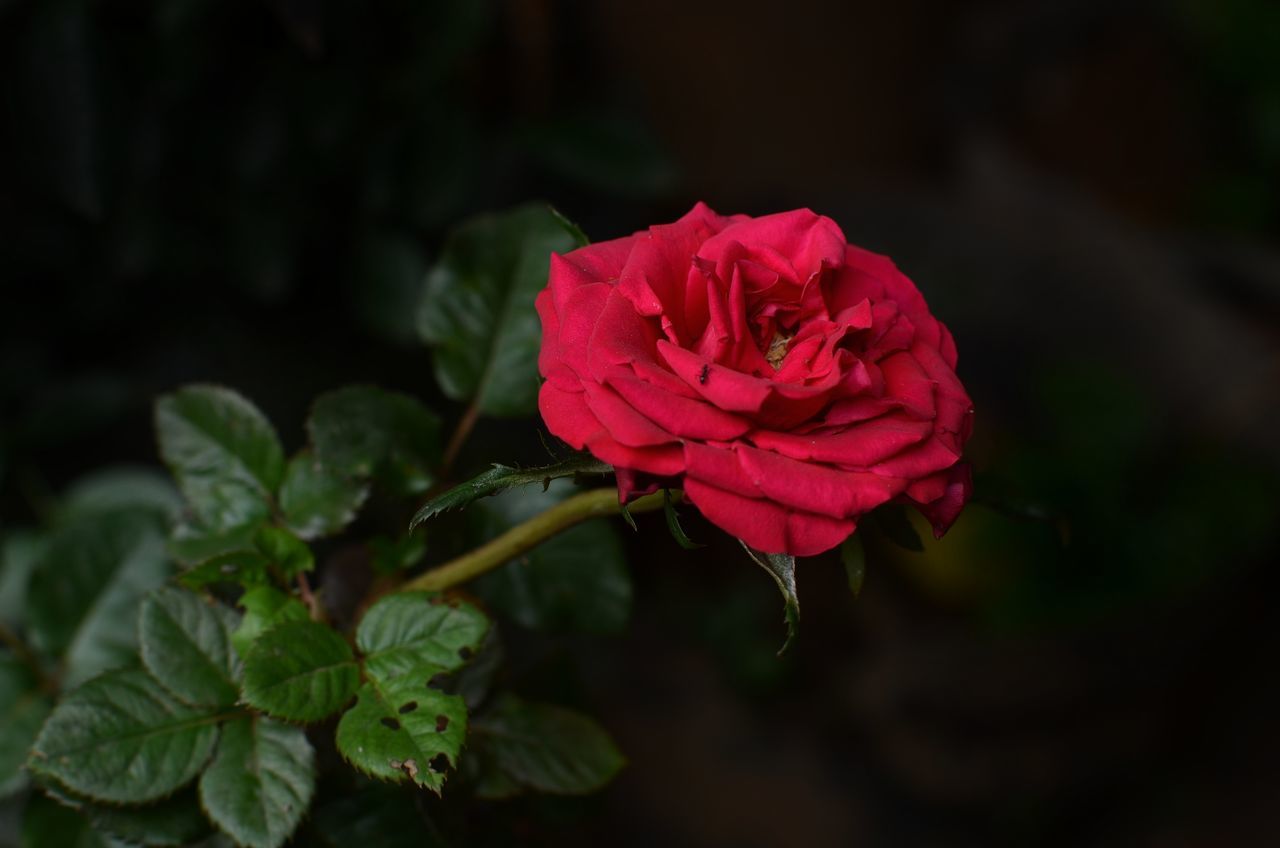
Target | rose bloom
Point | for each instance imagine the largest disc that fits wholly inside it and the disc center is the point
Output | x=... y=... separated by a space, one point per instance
x=786 y=380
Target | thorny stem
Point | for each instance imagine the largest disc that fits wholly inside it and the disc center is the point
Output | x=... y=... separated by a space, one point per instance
x=523 y=537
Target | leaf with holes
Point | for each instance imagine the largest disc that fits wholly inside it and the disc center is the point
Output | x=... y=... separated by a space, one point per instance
x=477 y=308
x=408 y=630
x=222 y=451
x=782 y=568
x=260 y=782
x=501 y=477
x=365 y=432
x=404 y=728
x=22 y=710
x=86 y=587
x=123 y=738
x=264 y=608
x=185 y=643
x=544 y=748
x=300 y=671
x=317 y=500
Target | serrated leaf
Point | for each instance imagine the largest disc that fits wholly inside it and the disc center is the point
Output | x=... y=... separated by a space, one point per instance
x=477 y=312
x=185 y=642
x=123 y=738
x=782 y=568
x=85 y=590
x=172 y=822
x=260 y=782
x=264 y=608
x=300 y=671
x=316 y=500
x=246 y=568
x=854 y=557
x=502 y=477
x=673 y=524
x=289 y=554
x=543 y=748
x=222 y=451
x=22 y=710
x=404 y=728
x=409 y=631
x=192 y=544
x=366 y=432
x=576 y=580
x=896 y=525
x=374 y=815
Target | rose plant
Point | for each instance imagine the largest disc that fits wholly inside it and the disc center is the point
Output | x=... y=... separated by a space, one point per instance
x=189 y=664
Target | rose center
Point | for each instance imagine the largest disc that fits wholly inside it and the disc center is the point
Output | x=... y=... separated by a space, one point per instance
x=777 y=349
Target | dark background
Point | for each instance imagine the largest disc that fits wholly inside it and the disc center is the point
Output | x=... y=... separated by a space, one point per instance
x=250 y=192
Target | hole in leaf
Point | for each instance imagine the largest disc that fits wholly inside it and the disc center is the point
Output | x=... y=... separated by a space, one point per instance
x=465 y=653
x=409 y=707
x=439 y=763
x=442 y=723
x=391 y=723
x=436 y=682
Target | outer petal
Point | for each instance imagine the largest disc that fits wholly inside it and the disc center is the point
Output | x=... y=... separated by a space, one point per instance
x=943 y=510
x=767 y=526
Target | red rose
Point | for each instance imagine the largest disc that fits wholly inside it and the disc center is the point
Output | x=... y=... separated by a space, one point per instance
x=787 y=380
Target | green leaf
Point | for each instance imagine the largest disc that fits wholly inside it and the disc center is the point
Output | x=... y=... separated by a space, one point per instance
x=185 y=643
x=402 y=728
x=502 y=477
x=122 y=488
x=243 y=568
x=48 y=824
x=477 y=311
x=222 y=451
x=316 y=500
x=364 y=431
x=544 y=748
x=123 y=738
x=579 y=237
x=264 y=608
x=260 y=782
x=894 y=523
x=300 y=671
x=193 y=544
x=284 y=550
x=172 y=822
x=22 y=710
x=394 y=555
x=85 y=591
x=854 y=557
x=408 y=631
x=374 y=815
x=20 y=552
x=577 y=580
x=673 y=524
x=782 y=568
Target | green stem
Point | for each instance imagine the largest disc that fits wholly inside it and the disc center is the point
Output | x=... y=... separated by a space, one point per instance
x=523 y=537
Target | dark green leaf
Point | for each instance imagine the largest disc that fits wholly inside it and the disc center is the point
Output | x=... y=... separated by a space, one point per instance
x=20 y=552
x=477 y=311
x=300 y=671
x=404 y=728
x=193 y=544
x=222 y=451
x=123 y=738
x=260 y=782
x=502 y=477
x=185 y=642
x=894 y=524
x=172 y=822
x=48 y=824
x=673 y=524
x=782 y=568
x=394 y=555
x=374 y=815
x=121 y=488
x=22 y=710
x=854 y=557
x=408 y=631
x=543 y=748
x=316 y=500
x=243 y=568
x=475 y=680
x=264 y=608
x=579 y=237
x=85 y=590
x=577 y=580
x=284 y=550
x=364 y=431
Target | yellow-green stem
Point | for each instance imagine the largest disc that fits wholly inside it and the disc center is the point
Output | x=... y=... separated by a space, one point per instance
x=523 y=537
